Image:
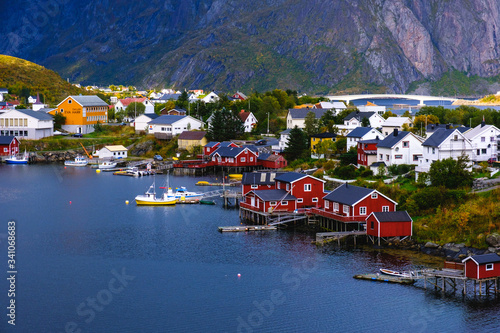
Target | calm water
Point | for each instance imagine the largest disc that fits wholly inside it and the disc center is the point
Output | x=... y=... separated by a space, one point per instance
x=100 y=265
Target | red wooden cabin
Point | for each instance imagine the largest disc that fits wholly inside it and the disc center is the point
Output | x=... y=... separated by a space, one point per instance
x=210 y=147
x=9 y=145
x=389 y=224
x=482 y=266
x=258 y=181
x=272 y=161
x=269 y=201
x=367 y=152
x=307 y=189
x=234 y=157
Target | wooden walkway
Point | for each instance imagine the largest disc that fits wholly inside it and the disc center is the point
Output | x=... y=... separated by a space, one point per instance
x=247 y=228
x=337 y=235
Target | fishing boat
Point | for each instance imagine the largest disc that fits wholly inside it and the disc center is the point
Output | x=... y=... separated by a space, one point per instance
x=107 y=165
x=182 y=194
x=79 y=161
x=16 y=159
x=395 y=273
x=149 y=198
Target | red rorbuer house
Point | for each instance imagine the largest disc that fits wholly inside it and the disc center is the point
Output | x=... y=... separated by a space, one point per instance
x=389 y=224
x=482 y=266
x=235 y=157
x=9 y=145
x=269 y=201
x=349 y=203
x=258 y=181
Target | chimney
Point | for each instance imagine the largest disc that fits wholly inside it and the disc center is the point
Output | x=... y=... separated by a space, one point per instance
x=483 y=122
x=447 y=126
x=395 y=132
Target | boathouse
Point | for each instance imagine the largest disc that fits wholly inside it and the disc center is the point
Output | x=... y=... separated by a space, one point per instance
x=272 y=161
x=269 y=201
x=9 y=145
x=307 y=189
x=389 y=224
x=484 y=266
x=258 y=181
x=234 y=157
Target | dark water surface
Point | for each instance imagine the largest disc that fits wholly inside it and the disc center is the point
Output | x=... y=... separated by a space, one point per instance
x=99 y=265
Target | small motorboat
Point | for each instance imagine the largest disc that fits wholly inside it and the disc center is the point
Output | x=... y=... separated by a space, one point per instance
x=181 y=194
x=16 y=159
x=79 y=161
x=207 y=202
x=149 y=198
x=107 y=165
x=395 y=273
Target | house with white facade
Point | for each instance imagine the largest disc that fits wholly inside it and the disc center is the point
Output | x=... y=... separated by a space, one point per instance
x=3 y=91
x=484 y=139
x=335 y=107
x=168 y=126
x=123 y=103
x=355 y=119
x=112 y=152
x=392 y=123
x=370 y=107
x=296 y=117
x=400 y=148
x=141 y=122
x=210 y=98
x=443 y=144
x=26 y=124
x=362 y=133
x=282 y=141
x=248 y=119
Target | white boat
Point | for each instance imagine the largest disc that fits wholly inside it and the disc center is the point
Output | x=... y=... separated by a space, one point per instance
x=395 y=273
x=107 y=165
x=181 y=194
x=16 y=159
x=78 y=162
x=149 y=198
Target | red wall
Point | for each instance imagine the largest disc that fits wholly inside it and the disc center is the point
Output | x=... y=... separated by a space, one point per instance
x=247 y=188
x=372 y=205
x=237 y=161
x=12 y=150
x=471 y=270
x=388 y=229
x=317 y=191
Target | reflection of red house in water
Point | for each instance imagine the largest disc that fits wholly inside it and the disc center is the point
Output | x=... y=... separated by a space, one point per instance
x=482 y=266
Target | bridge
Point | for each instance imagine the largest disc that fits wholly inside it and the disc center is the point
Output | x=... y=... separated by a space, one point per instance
x=420 y=98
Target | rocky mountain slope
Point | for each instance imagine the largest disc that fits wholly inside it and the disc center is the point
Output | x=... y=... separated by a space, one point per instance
x=308 y=45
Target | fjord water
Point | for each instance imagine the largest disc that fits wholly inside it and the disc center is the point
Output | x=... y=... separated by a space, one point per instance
x=87 y=261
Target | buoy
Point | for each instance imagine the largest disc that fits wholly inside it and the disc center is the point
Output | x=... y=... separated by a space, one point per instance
x=239 y=275
x=64 y=167
x=70 y=202
x=126 y=202
x=98 y=171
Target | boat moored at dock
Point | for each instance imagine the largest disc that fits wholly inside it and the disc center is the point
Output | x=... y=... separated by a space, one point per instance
x=79 y=161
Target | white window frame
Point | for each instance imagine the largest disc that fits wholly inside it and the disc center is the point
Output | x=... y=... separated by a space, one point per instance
x=335 y=206
x=327 y=204
x=346 y=209
x=307 y=187
x=490 y=267
x=374 y=195
x=284 y=203
x=253 y=187
x=314 y=199
x=242 y=159
x=272 y=203
x=300 y=200
x=362 y=210
x=385 y=209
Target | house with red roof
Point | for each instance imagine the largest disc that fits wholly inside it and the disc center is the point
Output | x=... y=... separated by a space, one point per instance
x=248 y=119
x=123 y=103
x=240 y=96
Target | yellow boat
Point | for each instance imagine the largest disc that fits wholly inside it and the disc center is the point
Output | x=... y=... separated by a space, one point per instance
x=149 y=198
x=236 y=175
x=202 y=182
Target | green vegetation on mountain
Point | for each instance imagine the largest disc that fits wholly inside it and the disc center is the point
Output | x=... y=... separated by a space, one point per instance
x=24 y=78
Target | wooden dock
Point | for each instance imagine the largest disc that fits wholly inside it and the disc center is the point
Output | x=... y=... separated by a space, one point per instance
x=385 y=278
x=321 y=237
x=247 y=228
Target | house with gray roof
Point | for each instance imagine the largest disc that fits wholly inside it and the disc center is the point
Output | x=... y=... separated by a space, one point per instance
x=355 y=119
x=168 y=126
x=362 y=133
x=484 y=142
x=442 y=144
x=26 y=124
x=400 y=147
x=296 y=117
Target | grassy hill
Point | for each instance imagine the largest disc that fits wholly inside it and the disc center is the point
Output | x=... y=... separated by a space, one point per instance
x=24 y=78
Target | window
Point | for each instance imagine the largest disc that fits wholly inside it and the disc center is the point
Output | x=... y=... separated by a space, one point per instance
x=362 y=210
x=69 y=101
x=335 y=206
x=287 y=187
x=251 y=159
x=242 y=159
x=208 y=150
x=483 y=151
x=381 y=157
x=307 y=187
x=406 y=144
x=478 y=152
x=300 y=200
x=387 y=157
x=374 y=195
x=314 y=199
x=254 y=186
x=273 y=203
x=346 y=209
x=284 y=203
x=492 y=139
x=415 y=157
x=385 y=209
x=483 y=139
x=398 y=157
x=5 y=150
x=372 y=225
x=433 y=150
x=489 y=267
x=327 y=204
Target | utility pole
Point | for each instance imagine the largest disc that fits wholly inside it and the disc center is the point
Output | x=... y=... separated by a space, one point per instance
x=268 y=123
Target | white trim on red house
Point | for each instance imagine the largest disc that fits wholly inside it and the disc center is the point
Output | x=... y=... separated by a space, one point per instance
x=369 y=194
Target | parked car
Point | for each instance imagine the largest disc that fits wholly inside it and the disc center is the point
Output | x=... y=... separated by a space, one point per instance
x=77 y=135
x=261 y=142
x=491 y=160
x=158 y=158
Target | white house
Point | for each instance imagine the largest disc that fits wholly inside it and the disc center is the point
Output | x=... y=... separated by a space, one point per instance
x=370 y=107
x=210 y=98
x=31 y=99
x=123 y=103
x=362 y=133
x=335 y=107
x=168 y=126
x=442 y=144
x=400 y=148
x=26 y=124
x=484 y=142
x=392 y=123
x=3 y=91
x=112 y=152
x=141 y=122
x=296 y=117
x=282 y=142
x=355 y=119
x=248 y=119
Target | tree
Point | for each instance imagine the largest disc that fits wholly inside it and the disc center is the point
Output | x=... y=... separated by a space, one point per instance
x=351 y=157
x=451 y=173
x=111 y=114
x=183 y=100
x=224 y=126
x=297 y=145
x=388 y=114
x=365 y=122
x=327 y=122
x=310 y=124
x=59 y=120
x=135 y=109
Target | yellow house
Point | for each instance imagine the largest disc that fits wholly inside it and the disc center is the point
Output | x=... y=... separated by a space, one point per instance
x=316 y=139
x=188 y=139
x=82 y=113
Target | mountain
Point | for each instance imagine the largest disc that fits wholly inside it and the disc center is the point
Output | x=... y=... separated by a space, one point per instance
x=308 y=45
x=24 y=78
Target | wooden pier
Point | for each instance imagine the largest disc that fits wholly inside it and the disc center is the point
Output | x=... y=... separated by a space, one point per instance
x=247 y=228
x=385 y=278
x=322 y=237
